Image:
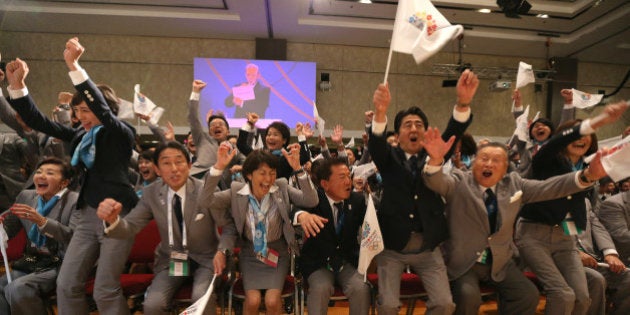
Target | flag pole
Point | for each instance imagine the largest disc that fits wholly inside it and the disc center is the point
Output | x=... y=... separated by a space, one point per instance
x=389 y=61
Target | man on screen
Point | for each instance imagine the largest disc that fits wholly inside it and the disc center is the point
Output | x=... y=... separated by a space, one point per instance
x=249 y=97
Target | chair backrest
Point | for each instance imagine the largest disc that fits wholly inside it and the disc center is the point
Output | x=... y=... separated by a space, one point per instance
x=143 y=250
x=16 y=244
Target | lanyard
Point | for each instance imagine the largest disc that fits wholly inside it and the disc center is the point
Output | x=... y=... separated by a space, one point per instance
x=170 y=227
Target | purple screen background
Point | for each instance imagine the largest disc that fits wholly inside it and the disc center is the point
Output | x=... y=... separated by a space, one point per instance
x=292 y=85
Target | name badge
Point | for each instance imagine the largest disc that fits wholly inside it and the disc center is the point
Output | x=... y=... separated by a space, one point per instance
x=568 y=225
x=178 y=264
x=271 y=259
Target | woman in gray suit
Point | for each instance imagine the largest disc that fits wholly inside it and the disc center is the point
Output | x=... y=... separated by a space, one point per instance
x=48 y=215
x=260 y=209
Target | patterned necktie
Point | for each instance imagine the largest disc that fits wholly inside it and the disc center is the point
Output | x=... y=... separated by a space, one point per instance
x=177 y=208
x=491 y=208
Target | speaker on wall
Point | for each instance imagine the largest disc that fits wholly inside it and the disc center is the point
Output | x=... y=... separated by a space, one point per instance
x=271 y=49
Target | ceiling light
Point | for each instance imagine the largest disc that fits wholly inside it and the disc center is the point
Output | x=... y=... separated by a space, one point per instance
x=365 y=1
x=484 y=11
x=542 y=16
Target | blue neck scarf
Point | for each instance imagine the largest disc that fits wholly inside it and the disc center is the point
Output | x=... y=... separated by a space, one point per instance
x=86 y=150
x=260 y=234
x=43 y=208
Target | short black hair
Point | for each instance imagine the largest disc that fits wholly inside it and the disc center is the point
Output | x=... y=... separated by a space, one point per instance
x=543 y=121
x=108 y=93
x=255 y=159
x=413 y=110
x=213 y=117
x=170 y=145
x=283 y=129
x=67 y=172
x=146 y=155
x=324 y=170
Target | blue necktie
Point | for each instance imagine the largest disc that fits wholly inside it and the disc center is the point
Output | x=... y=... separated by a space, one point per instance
x=340 y=216
x=491 y=207
x=43 y=208
x=413 y=165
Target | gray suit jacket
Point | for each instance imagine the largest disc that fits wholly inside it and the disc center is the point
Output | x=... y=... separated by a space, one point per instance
x=200 y=224
x=595 y=238
x=468 y=219
x=206 y=145
x=614 y=213
x=62 y=219
x=237 y=205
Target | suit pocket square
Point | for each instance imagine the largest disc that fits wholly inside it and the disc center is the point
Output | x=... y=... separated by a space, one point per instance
x=199 y=216
x=516 y=197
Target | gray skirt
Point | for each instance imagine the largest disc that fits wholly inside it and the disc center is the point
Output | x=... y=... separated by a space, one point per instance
x=256 y=274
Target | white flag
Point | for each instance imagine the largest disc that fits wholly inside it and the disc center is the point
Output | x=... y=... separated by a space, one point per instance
x=364 y=170
x=350 y=143
x=421 y=30
x=4 y=243
x=522 y=130
x=155 y=115
x=199 y=306
x=525 y=75
x=371 y=238
x=142 y=104
x=125 y=109
x=585 y=100
x=616 y=161
x=319 y=122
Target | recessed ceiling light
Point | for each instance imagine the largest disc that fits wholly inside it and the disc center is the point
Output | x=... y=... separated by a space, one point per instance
x=542 y=16
x=484 y=11
x=365 y=1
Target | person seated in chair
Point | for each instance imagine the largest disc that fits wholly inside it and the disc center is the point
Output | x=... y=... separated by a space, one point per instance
x=48 y=215
x=187 y=229
x=331 y=251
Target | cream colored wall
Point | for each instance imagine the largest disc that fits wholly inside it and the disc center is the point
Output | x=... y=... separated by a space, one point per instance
x=164 y=68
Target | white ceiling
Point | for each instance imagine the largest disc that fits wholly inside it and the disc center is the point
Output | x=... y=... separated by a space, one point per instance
x=589 y=30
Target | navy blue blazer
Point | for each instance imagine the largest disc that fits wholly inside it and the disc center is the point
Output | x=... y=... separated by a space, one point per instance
x=549 y=162
x=325 y=246
x=408 y=205
x=108 y=177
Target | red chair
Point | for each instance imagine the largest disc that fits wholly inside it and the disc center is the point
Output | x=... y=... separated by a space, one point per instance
x=290 y=289
x=134 y=285
x=411 y=289
x=16 y=244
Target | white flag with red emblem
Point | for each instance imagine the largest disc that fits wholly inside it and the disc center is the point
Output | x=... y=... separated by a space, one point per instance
x=371 y=238
x=585 y=100
x=421 y=30
x=198 y=307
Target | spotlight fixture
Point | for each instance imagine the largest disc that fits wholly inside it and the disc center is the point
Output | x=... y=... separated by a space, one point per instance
x=512 y=8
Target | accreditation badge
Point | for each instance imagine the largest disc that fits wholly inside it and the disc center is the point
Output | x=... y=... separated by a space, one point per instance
x=178 y=264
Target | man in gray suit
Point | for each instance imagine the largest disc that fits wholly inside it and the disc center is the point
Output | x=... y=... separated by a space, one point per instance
x=481 y=208
x=208 y=143
x=614 y=213
x=596 y=246
x=187 y=230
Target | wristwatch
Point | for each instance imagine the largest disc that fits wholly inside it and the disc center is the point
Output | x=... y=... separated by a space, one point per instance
x=583 y=177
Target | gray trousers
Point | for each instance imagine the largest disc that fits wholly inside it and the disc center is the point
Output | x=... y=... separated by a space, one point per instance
x=555 y=260
x=428 y=265
x=163 y=287
x=619 y=284
x=321 y=287
x=517 y=294
x=27 y=292
x=89 y=245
